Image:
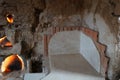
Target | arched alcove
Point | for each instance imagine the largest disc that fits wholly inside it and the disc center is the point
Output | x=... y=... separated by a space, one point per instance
x=74 y=43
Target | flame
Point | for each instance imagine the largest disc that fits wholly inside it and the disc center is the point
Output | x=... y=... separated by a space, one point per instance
x=2 y=39
x=10 y=60
x=8 y=44
x=4 y=42
x=10 y=18
x=22 y=62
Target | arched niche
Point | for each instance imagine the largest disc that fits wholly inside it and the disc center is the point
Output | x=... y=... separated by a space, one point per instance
x=75 y=42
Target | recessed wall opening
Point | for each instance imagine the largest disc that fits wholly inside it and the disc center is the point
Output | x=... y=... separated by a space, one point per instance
x=66 y=43
x=36 y=65
x=10 y=18
x=12 y=63
x=64 y=51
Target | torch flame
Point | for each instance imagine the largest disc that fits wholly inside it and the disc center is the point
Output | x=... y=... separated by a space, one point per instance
x=22 y=62
x=4 y=42
x=10 y=18
x=2 y=39
x=8 y=44
x=9 y=61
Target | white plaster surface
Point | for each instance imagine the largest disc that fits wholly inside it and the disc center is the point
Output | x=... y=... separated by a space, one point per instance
x=65 y=43
x=62 y=75
x=75 y=42
x=89 y=51
x=34 y=76
x=71 y=67
x=68 y=63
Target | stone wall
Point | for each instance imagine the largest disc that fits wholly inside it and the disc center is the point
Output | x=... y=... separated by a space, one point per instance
x=34 y=17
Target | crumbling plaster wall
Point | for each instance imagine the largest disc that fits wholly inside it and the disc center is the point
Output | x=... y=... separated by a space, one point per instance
x=100 y=15
x=34 y=17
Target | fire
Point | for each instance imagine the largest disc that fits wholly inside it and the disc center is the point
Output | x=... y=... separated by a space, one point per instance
x=22 y=62
x=4 y=42
x=10 y=18
x=8 y=44
x=12 y=63
x=2 y=39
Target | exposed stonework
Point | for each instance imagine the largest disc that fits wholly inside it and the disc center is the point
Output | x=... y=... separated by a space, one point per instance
x=103 y=7
x=33 y=19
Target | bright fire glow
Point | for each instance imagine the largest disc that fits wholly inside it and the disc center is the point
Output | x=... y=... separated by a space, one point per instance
x=21 y=61
x=8 y=44
x=9 y=60
x=4 y=42
x=10 y=18
x=2 y=39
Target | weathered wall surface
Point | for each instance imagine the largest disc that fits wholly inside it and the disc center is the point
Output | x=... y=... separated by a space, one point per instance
x=33 y=17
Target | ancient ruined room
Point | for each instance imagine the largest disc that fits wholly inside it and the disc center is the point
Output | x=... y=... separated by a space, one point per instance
x=59 y=40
